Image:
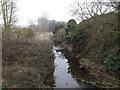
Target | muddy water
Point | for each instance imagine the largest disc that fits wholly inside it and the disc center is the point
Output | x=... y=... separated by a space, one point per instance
x=63 y=71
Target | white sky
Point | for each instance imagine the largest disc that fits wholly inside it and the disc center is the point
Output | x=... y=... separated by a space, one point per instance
x=30 y=10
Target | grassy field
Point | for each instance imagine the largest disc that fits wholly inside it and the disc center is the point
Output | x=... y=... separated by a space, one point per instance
x=27 y=63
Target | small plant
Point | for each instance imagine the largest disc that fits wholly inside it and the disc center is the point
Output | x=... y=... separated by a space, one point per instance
x=113 y=62
x=60 y=34
x=28 y=33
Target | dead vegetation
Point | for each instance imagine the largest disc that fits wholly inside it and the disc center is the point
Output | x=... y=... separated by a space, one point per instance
x=99 y=75
x=27 y=63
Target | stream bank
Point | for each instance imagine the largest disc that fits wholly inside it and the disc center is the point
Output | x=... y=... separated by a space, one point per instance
x=85 y=70
x=67 y=68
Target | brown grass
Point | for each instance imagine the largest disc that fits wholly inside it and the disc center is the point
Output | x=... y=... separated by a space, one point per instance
x=26 y=63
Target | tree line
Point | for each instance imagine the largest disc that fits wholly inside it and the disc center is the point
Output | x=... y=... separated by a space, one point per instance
x=96 y=36
x=46 y=25
x=9 y=17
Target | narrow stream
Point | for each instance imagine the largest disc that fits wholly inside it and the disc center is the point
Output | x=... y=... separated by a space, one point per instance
x=62 y=74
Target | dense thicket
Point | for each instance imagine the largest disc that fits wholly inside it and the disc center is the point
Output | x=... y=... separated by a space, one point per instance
x=96 y=38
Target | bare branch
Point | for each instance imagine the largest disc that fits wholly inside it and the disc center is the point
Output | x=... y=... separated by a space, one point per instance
x=87 y=10
x=8 y=9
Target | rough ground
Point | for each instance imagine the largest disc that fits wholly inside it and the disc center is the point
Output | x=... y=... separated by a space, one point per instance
x=27 y=63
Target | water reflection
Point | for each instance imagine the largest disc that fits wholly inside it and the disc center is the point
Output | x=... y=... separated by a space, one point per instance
x=62 y=74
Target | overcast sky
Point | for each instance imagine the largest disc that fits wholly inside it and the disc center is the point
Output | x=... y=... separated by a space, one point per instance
x=30 y=10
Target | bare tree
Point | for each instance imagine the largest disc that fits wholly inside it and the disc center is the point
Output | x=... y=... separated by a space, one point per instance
x=43 y=24
x=114 y=4
x=89 y=9
x=8 y=10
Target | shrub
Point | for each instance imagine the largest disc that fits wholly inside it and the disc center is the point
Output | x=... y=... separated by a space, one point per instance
x=110 y=39
x=60 y=34
x=113 y=61
x=28 y=33
x=7 y=35
x=71 y=25
x=18 y=33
